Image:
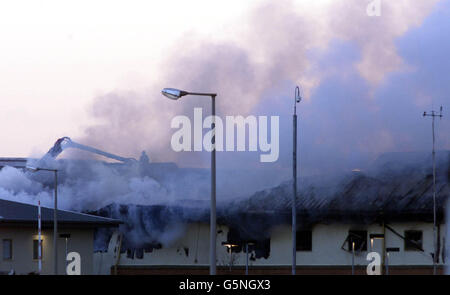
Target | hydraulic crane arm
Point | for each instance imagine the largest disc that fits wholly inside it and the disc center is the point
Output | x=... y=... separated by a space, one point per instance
x=65 y=142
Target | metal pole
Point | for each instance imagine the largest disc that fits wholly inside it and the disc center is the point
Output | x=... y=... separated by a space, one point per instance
x=67 y=262
x=55 y=226
x=435 y=251
x=39 y=238
x=387 y=263
x=246 y=260
x=231 y=257
x=434 y=201
x=294 y=203
x=353 y=258
x=213 y=231
x=294 y=175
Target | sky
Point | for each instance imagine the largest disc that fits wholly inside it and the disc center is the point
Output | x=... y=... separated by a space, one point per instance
x=94 y=72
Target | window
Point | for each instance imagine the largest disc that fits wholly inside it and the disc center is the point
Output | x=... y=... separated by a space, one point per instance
x=36 y=249
x=304 y=240
x=359 y=237
x=7 y=249
x=413 y=240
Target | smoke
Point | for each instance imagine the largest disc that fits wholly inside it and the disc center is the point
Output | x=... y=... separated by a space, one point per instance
x=16 y=186
x=343 y=59
x=365 y=82
x=120 y=190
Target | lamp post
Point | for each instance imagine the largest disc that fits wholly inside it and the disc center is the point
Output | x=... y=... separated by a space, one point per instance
x=55 y=217
x=389 y=250
x=294 y=174
x=353 y=258
x=175 y=94
x=433 y=115
x=246 y=254
x=230 y=246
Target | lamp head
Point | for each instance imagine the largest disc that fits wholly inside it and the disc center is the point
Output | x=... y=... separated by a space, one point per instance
x=298 y=98
x=173 y=93
x=229 y=244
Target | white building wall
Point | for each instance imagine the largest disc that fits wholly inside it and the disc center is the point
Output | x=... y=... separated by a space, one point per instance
x=328 y=239
x=81 y=241
x=326 y=248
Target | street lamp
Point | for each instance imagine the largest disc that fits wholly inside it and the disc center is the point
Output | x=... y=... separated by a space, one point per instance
x=176 y=94
x=230 y=247
x=55 y=218
x=375 y=237
x=294 y=174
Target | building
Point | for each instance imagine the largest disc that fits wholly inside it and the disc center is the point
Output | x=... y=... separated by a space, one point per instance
x=19 y=238
x=388 y=211
x=322 y=248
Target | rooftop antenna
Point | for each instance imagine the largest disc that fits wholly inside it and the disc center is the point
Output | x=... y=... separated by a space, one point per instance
x=433 y=114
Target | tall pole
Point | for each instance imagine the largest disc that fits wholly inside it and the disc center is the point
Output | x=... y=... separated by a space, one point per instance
x=353 y=258
x=176 y=94
x=213 y=231
x=294 y=175
x=387 y=263
x=246 y=258
x=434 y=202
x=433 y=115
x=55 y=226
x=39 y=238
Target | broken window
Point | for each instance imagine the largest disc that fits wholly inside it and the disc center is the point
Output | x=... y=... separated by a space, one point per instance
x=413 y=240
x=359 y=238
x=7 y=249
x=304 y=240
x=260 y=247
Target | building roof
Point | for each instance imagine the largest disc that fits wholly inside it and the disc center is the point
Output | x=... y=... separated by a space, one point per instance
x=19 y=213
x=13 y=162
x=391 y=191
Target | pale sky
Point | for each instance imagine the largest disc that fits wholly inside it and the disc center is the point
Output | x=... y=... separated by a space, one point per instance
x=58 y=56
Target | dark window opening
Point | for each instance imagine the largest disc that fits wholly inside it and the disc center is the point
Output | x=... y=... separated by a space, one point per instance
x=139 y=254
x=7 y=249
x=358 y=238
x=413 y=240
x=234 y=238
x=260 y=247
x=36 y=249
x=304 y=240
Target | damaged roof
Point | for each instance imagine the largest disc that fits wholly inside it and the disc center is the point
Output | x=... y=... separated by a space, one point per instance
x=392 y=191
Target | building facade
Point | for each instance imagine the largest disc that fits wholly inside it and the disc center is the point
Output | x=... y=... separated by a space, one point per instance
x=20 y=242
x=321 y=249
